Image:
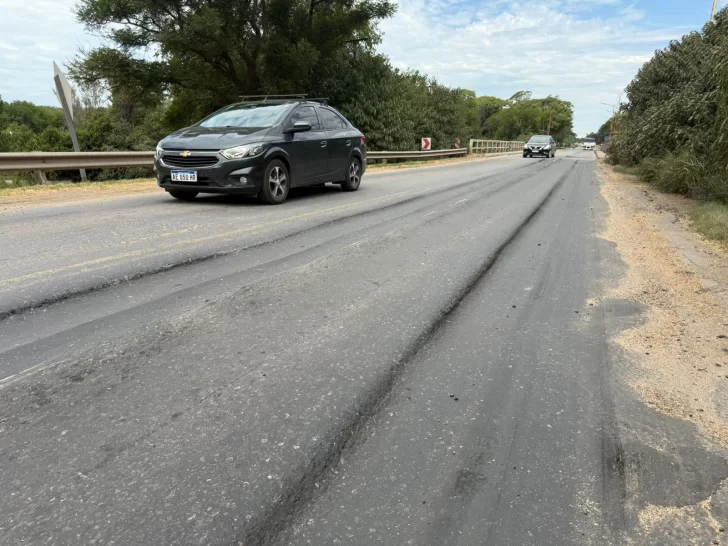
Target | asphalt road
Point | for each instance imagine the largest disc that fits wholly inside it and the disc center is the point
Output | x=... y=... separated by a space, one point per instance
x=414 y=363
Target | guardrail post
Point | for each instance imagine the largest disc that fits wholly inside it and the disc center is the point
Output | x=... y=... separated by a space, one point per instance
x=40 y=177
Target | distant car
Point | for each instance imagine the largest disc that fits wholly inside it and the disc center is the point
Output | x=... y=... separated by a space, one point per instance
x=264 y=148
x=589 y=144
x=540 y=145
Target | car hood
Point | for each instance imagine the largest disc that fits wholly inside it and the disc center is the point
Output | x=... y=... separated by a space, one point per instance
x=212 y=138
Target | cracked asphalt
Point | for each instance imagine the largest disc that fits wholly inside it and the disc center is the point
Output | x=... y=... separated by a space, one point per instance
x=414 y=363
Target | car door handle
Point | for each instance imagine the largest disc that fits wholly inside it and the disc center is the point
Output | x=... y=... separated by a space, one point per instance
x=323 y=144
x=348 y=142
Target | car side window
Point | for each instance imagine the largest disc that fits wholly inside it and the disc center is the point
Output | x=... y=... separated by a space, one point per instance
x=331 y=121
x=306 y=113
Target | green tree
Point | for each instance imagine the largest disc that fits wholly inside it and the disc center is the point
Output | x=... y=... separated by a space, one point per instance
x=211 y=52
x=37 y=118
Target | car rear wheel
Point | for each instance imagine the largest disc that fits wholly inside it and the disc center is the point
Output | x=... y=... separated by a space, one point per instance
x=353 y=175
x=276 y=183
x=183 y=195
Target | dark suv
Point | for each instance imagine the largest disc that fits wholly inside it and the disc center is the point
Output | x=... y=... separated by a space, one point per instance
x=264 y=148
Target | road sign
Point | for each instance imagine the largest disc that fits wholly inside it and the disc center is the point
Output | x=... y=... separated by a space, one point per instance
x=427 y=143
x=65 y=97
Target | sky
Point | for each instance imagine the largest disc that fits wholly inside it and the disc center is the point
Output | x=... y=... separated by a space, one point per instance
x=584 y=51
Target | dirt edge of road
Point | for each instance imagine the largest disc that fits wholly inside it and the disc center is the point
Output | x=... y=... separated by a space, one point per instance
x=60 y=194
x=677 y=357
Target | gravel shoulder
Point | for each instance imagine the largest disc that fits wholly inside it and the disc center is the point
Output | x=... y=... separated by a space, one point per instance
x=676 y=358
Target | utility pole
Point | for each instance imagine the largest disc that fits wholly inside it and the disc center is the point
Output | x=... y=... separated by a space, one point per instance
x=715 y=9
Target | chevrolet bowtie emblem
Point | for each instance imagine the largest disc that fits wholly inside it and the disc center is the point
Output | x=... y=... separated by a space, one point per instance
x=185 y=154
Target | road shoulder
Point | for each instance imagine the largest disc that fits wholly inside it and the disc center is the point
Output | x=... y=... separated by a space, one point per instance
x=676 y=358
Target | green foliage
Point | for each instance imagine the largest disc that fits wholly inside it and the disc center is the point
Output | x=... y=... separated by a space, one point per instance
x=211 y=52
x=711 y=219
x=36 y=118
x=525 y=117
x=674 y=123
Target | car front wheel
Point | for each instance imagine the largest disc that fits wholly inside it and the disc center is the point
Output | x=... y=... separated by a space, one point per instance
x=183 y=195
x=276 y=183
x=353 y=175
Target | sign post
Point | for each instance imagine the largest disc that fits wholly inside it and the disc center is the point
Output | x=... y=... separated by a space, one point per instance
x=426 y=143
x=65 y=96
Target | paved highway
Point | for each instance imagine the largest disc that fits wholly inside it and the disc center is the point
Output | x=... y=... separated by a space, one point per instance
x=414 y=363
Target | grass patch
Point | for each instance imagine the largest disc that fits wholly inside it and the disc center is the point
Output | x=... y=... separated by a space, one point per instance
x=711 y=220
x=621 y=169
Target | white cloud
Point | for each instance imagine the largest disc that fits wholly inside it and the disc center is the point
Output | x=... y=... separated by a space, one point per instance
x=33 y=34
x=551 y=47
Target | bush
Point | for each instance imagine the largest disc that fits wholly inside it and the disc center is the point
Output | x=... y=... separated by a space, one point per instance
x=647 y=170
x=711 y=219
x=680 y=173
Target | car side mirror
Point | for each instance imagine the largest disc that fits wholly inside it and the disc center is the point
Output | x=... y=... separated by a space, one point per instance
x=299 y=127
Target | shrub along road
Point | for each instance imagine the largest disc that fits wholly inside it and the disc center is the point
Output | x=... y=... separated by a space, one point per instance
x=415 y=363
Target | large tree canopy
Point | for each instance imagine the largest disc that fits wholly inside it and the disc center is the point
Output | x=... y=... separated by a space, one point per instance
x=209 y=52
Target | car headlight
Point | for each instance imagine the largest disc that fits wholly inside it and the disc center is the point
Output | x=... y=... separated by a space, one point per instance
x=547 y=147
x=525 y=146
x=159 y=152
x=239 y=152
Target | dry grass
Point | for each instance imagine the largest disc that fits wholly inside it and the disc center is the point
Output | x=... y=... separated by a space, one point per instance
x=620 y=169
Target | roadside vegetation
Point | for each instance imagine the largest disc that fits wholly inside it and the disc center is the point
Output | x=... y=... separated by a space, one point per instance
x=672 y=131
x=208 y=55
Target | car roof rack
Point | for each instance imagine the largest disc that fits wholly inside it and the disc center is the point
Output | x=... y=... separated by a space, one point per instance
x=281 y=98
x=270 y=98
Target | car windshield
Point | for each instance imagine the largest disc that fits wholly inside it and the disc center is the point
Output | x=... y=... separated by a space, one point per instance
x=539 y=140
x=589 y=141
x=246 y=116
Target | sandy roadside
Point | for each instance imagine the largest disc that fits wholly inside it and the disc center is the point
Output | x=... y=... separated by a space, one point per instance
x=678 y=358
x=60 y=194
x=680 y=353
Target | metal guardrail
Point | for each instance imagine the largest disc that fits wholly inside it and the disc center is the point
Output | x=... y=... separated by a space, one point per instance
x=417 y=154
x=60 y=161
x=495 y=146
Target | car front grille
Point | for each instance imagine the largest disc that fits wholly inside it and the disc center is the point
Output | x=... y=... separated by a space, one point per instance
x=191 y=161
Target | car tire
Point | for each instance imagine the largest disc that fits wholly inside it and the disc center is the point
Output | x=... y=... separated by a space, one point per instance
x=353 y=175
x=553 y=154
x=525 y=155
x=183 y=195
x=276 y=183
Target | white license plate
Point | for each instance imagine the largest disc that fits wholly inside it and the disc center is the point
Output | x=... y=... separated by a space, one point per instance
x=184 y=176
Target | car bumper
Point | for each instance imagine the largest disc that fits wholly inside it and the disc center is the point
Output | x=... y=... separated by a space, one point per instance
x=237 y=176
x=536 y=152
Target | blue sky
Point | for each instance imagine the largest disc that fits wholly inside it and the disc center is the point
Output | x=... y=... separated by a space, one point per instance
x=584 y=51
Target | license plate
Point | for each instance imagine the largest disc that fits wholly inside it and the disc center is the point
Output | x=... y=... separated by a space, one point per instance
x=184 y=176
